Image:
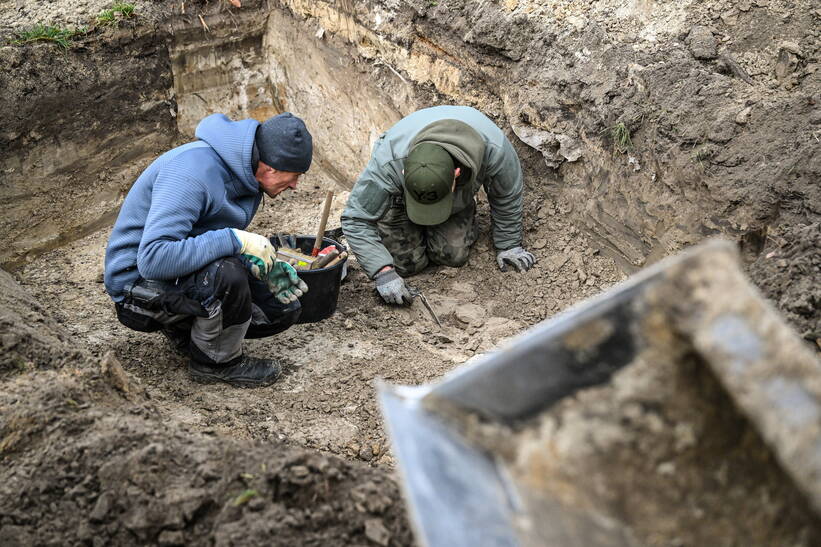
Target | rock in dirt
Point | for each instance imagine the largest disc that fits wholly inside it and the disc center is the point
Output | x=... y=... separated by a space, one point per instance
x=557 y=261
x=470 y=314
x=113 y=372
x=744 y=115
x=785 y=65
x=376 y=532
x=546 y=211
x=702 y=43
x=102 y=507
x=728 y=65
x=107 y=472
x=792 y=47
x=366 y=453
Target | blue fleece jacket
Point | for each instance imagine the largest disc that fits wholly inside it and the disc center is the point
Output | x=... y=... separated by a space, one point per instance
x=177 y=216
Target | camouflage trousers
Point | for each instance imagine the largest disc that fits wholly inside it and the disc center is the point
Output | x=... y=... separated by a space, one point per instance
x=413 y=246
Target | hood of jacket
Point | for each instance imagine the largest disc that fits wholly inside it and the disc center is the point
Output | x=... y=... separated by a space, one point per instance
x=234 y=143
x=460 y=140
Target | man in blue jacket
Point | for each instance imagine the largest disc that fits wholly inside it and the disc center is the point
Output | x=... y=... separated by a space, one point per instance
x=178 y=259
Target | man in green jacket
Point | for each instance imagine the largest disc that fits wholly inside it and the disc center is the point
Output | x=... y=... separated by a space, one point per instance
x=415 y=201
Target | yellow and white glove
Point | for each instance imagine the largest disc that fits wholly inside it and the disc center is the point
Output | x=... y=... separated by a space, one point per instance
x=258 y=253
x=284 y=282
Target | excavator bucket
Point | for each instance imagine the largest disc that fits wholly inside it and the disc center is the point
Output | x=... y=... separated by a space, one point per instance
x=459 y=442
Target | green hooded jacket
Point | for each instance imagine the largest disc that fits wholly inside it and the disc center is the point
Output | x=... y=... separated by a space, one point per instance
x=470 y=137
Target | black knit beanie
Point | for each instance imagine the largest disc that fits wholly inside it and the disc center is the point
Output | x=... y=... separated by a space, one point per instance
x=284 y=143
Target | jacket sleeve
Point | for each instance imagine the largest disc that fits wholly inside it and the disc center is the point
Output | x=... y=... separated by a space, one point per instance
x=504 y=186
x=367 y=203
x=166 y=249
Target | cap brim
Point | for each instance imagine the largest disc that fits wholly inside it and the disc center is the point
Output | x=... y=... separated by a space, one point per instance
x=428 y=214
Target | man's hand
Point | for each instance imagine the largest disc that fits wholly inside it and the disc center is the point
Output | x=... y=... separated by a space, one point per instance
x=284 y=282
x=257 y=251
x=392 y=288
x=516 y=257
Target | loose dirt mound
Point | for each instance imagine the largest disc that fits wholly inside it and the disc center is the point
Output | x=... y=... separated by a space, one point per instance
x=793 y=255
x=87 y=456
x=30 y=338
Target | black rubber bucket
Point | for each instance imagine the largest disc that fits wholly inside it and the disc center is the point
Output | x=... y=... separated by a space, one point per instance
x=323 y=284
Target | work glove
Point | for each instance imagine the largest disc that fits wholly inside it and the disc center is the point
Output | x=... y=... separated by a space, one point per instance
x=284 y=283
x=392 y=288
x=257 y=252
x=516 y=257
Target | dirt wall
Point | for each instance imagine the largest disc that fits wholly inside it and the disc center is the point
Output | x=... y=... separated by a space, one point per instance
x=77 y=128
x=659 y=123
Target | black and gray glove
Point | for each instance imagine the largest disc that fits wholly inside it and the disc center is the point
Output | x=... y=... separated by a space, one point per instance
x=516 y=257
x=392 y=288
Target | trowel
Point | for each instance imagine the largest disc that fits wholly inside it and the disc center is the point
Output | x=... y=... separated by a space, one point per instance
x=416 y=293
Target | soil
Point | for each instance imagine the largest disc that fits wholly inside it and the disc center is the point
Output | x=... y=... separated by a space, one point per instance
x=324 y=402
x=793 y=253
x=88 y=458
x=91 y=456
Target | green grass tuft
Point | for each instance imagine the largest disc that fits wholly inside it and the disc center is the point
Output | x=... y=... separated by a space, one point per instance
x=44 y=33
x=106 y=18
x=125 y=9
x=115 y=14
x=621 y=137
x=244 y=497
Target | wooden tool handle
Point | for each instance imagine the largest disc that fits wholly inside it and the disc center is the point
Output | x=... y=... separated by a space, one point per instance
x=322 y=222
x=324 y=259
x=337 y=260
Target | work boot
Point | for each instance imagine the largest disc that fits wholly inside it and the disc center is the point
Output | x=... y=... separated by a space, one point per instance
x=244 y=372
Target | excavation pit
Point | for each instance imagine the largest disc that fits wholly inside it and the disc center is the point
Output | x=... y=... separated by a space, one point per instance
x=159 y=459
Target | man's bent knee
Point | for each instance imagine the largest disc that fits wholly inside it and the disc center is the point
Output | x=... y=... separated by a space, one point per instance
x=230 y=274
x=410 y=267
x=450 y=255
x=274 y=323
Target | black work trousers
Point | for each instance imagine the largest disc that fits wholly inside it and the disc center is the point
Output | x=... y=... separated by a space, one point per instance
x=219 y=305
